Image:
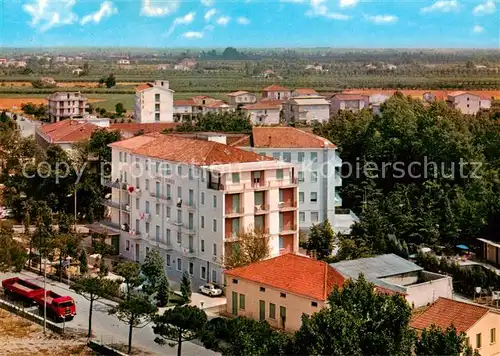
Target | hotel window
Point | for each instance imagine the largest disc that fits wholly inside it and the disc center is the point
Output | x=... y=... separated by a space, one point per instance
x=168 y=170
x=301 y=176
x=168 y=236
x=157 y=208
x=214 y=203
x=179 y=264
x=202 y=245
x=215 y=249
x=157 y=97
x=287 y=157
x=179 y=171
x=179 y=192
x=493 y=336
x=125 y=155
x=262 y=289
x=302 y=217
x=179 y=237
x=314 y=197
x=203 y=273
x=282 y=295
x=190 y=173
x=137 y=203
x=279 y=174
x=281 y=243
x=236 y=177
x=242 y=301
x=147 y=207
x=314 y=216
x=127 y=245
x=272 y=311
x=235 y=281
x=214 y=276
x=478 y=341
x=202 y=222
x=157 y=107
x=300 y=156
x=120 y=157
x=202 y=198
x=276 y=155
x=168 y=260
x=147 y=228
x=214 y=225
x=147 y=165
x=314 y=177
x=147 y=184
x=314 y=304
x=157 y=116
x=147 y=252
x=191 y=268
x=137 y=185
x=301 y=197
x=168 y=211
x=314 y=156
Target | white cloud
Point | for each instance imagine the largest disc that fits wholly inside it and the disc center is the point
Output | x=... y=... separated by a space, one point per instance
x=442 y=6
x=243 y=20
x=207 y=2
x=487 y=8
x=107 y=9
x=46 y=14
x=223 y=20
x=159 y=7
x=348 y=3
x=478 y=29
x=382 y=19
x=319 y=9
x=182 y=20
x=193 y=34
x=209 y=14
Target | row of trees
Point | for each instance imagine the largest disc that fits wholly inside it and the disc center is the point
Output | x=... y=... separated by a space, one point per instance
x=231 y=121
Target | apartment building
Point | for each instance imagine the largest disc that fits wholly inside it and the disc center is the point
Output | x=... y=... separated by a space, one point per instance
x=276 y=92
x=467 y=103
x=241 y=98
x=154 y=102
x=318 y=172
x=193 y=198
x=64 y=105
x=351 y=102
x=307 y=109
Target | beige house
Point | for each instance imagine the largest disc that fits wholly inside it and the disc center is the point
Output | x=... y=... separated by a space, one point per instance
x=304 y=92
x=154 y=102
x=64 y=105
x=467 y=103
x=480 y=324
x=351 y=102
x=307 y=109
x=279 y=290
x=263 y=113
x=276 y=92
x=241 y=97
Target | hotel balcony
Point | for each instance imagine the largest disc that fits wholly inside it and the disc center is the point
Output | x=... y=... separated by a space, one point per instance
x=283 y=183
x=233 y=212
x=288 y=205
x=288 y=229
x=232 y=236
x=261 y=209
x=112 y=204
x=110 y=224
x=116 y=184
x=165 y=245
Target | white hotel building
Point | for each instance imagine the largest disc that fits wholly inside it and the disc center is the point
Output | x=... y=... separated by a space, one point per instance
x=154 y=102
x=192 y=200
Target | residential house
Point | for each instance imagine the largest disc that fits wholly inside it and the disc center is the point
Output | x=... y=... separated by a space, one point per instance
x=77 y=71
x=217 y=106
x=189 y=63
x=477 y=322
x=304 y=92
x=66 y=133
x=467 y=103
x=263 y=113
x=280 y=290
x=154 y=102
x=3 y=61
x=318 y=171
x=376 y=100
x=485 y=102
x=181 y=67
x=183 y=108
x=241 y=98
x=123 y=62
x=490 y=251
x=276 y=92
x=64 y=105
x=48 y=81
x=60 y=59
x=306 y=109
x=191 y=198
x=315 y=67
x=397 y=275
x=350 y=102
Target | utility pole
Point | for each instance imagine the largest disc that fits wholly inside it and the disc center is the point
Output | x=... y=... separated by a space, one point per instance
x=45 y=295
x=75 y=208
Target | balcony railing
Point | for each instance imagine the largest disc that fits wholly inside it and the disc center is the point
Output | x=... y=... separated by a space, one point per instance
x=284 y=182
x=289 y=204
x=110 y=224
x=234 y=211
x=116 y=205
x=156 y=195
x=288 y=229
x=116 y=184
x=233 y=235
x=261 y=208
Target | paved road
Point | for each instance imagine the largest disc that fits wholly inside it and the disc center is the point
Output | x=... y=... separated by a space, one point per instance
x=108 y=327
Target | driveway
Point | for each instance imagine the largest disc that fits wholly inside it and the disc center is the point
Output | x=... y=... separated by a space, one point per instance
x=108 y=328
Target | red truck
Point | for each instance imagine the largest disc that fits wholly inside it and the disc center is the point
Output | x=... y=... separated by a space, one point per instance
x=60 y=307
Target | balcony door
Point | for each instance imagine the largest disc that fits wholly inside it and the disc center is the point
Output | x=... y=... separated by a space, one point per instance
x=235 y=227
x=235 y=203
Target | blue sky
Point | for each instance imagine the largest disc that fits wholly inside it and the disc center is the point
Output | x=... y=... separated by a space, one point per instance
x=250 y=23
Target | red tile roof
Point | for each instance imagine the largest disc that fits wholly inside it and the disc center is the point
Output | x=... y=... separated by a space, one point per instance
x=215 y=104
x=184 y=102
x=263 y=105
x=142 y=87
x=445 y=312
x=146 y=128
x=287 y=137
x=292 y=273
x=236 y=93
x=349 y=97
x=187 y=150
x=275 y=88
x=306 y=91
x=68 y=131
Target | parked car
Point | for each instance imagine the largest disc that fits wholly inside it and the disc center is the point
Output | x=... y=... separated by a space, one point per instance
x=211 y=290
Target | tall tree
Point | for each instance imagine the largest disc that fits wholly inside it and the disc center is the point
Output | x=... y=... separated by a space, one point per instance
x=163 y=295
x=12 y=254
x=153 y=270
x=94 y=289
x=186 y=287
x=137 y=311
x=182 y=323
x=321 y=240
x=67 y=245
x=130 y=271
x=434 y=341
x=251 y=246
